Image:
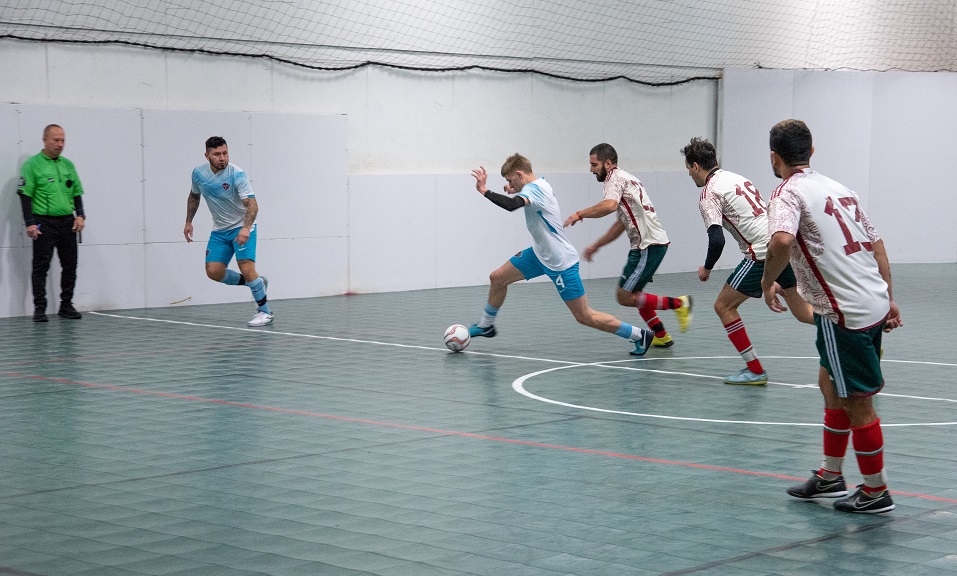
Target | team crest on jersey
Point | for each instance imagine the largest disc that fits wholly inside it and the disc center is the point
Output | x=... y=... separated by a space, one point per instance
x=225 y=185
x=21 y=182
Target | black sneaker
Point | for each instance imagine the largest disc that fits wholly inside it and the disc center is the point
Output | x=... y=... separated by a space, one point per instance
x=40 y=315
x=817 y=487
x=69 y=312
x=861 y=502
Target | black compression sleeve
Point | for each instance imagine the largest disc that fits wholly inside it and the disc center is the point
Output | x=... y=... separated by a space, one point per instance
x=510 y=203
x=78 y=206
x=715 y=246
x=26 y=204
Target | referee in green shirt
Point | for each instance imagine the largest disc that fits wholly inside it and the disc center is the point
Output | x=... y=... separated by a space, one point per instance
x=50 y=193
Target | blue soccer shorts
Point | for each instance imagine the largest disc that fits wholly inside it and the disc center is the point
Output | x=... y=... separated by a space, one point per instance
x=222 y=246
x=568 y=282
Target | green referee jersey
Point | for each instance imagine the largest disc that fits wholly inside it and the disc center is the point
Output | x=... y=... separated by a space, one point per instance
x=50 y=184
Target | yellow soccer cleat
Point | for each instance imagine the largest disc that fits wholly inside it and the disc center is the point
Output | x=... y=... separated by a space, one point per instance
x=684 y=313
x=664 y=342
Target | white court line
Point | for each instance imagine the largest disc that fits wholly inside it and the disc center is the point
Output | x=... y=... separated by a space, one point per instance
x=333 y=338
x=518 y=384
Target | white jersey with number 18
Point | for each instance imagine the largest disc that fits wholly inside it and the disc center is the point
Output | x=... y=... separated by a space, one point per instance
x=832 y=256
x=732 y=201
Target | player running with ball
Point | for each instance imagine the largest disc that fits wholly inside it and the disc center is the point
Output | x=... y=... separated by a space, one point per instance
x=551 y=254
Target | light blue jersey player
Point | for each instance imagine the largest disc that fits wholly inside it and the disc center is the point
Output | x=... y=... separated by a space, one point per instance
x=233 y=207
x=550 y=254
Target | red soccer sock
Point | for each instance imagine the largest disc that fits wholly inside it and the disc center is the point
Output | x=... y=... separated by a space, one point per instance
x=739 y=337
x=837 y=433
x=654 y=323
x=652 y=302
x=868 y=443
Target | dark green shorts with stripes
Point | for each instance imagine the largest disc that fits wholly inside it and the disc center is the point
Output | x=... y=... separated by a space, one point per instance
x=641 y=266
x=746 y=278
x=851 y=357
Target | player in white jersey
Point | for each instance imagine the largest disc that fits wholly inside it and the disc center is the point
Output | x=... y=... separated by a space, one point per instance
x=550 y=254
x=625 y=195
x=731 y=202
x=843 y=271
x=233 y=207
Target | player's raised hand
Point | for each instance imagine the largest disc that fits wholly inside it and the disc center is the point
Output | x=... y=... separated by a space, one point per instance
x=771 y=299
x=481 y=176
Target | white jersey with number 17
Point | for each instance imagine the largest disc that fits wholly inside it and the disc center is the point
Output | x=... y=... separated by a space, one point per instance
x=832 y=256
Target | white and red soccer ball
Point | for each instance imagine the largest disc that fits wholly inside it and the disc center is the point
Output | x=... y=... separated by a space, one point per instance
x=457 y=337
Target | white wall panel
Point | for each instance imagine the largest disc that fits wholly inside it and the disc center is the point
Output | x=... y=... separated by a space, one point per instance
x=752 y=102
x=12 y=232
x=886 y=136
x=304 y=267
x=392 y=232
x=215 y=83
x=23 y=68
x=176 y=274
x=911 y=149
x=298 y=168
x=838 y=110
x=15 y=287
x=105 y=76
x=108 y=276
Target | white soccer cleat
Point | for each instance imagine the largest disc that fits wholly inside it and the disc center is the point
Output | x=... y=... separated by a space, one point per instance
x=260 y=319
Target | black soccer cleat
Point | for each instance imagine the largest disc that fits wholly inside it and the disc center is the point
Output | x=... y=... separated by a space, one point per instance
x=817 y=487
x=861 y=502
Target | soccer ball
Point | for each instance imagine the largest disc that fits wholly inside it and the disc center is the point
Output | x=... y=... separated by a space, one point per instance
x=457 y=337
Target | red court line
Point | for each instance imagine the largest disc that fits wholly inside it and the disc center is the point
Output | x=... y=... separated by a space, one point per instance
x=436 y=431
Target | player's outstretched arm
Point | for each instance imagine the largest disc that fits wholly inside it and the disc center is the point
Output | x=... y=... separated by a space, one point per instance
x=603 y=208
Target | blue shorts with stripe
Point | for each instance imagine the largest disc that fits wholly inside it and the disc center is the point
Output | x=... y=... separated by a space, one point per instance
x=852 y=358
x=222 y=246
x=568 y=282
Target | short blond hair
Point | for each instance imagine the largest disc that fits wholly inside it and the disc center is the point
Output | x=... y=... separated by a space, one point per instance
x=516 y=162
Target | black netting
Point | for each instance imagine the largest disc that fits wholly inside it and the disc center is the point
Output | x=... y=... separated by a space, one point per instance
x=647 y=41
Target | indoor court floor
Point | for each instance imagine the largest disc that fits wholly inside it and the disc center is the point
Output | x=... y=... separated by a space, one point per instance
x=345 y=439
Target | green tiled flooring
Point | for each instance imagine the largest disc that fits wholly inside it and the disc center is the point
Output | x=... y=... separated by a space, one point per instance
x=344 y=439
